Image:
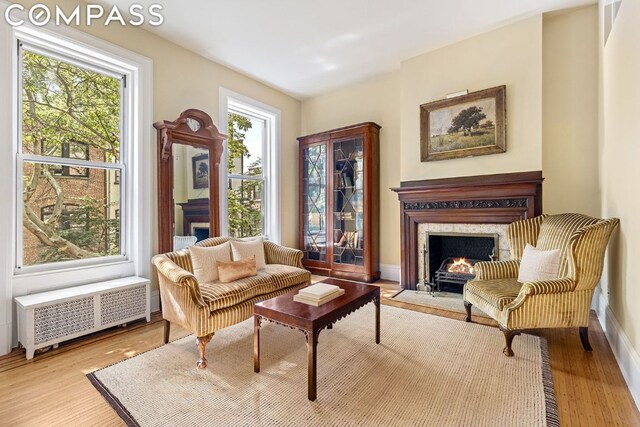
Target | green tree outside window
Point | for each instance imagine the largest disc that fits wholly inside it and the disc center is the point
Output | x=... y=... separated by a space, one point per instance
x=244 y=196
x=61 y=104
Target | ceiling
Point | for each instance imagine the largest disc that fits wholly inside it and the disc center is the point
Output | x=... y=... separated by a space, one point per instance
x=308 y=47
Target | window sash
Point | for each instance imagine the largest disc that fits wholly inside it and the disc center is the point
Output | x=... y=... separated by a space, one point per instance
x=233 y=102
x=21 y=268
x=34 y=48
x=23 y=158
x=247 y=177
x=64 y=161
x=254 y=113
x=59 y=56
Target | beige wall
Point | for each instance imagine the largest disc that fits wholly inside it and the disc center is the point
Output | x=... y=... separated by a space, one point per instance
x=511 y=55
x=551 y=72
x=376 y=100
x=183 y=79
x=570 y=112
x=508 y=56
x=620 y=151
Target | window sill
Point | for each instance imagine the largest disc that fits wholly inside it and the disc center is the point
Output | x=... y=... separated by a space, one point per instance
x=46 y=270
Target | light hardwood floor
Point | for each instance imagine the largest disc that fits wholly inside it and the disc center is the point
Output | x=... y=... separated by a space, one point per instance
x=52 y=390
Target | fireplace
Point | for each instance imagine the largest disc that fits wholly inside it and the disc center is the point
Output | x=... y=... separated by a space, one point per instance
x=196 y=218
x=482 y=201
x=449 y=258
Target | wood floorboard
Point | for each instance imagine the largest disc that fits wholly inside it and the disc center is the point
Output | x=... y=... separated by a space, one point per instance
x=52 y=390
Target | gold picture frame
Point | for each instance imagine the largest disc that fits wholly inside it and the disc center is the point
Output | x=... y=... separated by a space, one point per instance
x=465 y=126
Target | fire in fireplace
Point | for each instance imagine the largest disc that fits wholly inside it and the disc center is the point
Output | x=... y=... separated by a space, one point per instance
x=449 y=258
x=454 y=271
x=461 y=265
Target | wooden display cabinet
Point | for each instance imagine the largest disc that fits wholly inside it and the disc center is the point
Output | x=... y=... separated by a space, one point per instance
x=338 y=202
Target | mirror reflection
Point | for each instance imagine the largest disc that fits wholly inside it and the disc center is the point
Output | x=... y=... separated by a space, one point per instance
x=190 y=195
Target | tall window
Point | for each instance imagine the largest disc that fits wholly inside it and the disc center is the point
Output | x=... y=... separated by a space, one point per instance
x=70 y=159
x=245 y=185
x=251 y=174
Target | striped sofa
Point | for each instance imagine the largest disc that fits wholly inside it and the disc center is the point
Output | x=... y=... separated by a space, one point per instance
x=559 y=303
x=204 y=308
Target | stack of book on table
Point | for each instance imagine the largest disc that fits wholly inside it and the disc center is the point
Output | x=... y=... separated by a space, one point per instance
x=318 y=294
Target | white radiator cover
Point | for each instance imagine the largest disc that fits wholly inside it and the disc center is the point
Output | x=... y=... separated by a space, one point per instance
x=49 y=318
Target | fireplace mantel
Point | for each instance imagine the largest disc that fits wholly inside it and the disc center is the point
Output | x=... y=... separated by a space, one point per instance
x=484 y=199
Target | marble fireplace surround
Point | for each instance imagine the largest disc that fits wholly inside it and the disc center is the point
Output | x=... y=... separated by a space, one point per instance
x=434 y=227
x=462 y=203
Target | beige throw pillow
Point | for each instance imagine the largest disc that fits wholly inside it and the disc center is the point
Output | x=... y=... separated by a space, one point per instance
x=538 y=265
x=205 y=261
x=230 y=271
x=242 y=249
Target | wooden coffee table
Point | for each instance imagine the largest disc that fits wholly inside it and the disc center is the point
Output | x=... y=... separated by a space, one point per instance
x=283 y=310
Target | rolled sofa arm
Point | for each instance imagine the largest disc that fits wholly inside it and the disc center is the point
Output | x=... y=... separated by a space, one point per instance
x=553 y=286
x=277 y=254
x=178 y=276
x=493 y=270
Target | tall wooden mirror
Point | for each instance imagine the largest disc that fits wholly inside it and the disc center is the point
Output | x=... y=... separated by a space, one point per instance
x=189 y=151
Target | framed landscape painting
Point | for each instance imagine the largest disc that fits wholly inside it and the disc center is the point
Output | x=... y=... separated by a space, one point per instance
x=464 y=126
x=200 y=170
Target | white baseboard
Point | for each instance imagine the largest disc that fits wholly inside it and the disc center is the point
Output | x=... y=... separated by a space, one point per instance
x=626 y=356
x=390 y=272
x=155 y=301
x=595 y=301
x=5 y=339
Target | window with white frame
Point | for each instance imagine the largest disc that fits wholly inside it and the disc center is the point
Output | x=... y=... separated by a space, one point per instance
x=71 y=156
x=250 y=196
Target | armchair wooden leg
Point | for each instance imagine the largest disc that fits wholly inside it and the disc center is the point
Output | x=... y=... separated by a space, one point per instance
x=202 y=345
x=167 y=330
x=584 y=338
x=467 y=307
x=508 y=339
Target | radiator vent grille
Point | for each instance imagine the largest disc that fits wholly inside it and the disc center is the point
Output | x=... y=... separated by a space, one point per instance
x=123 y=304
x=63 y=319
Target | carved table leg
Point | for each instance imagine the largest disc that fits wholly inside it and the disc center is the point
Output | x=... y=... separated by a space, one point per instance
x=376 y=301
x=256 y=343
x=312 y=363
x=202 y=345
x=467 y=307
x=167 y=330
x=508 y=338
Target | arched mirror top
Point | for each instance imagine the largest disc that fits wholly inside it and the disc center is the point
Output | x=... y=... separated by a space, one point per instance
x=193 y=127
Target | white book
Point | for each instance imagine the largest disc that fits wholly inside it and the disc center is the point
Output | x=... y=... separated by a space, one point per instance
x=318 y=290
x=315 y=302
x=337 y=292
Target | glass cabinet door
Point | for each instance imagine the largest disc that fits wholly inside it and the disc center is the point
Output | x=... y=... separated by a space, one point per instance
x=348 y=207
x=314 y=202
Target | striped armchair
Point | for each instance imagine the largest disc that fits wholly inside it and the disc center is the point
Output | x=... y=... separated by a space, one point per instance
x=204 y=308
x=559 y=303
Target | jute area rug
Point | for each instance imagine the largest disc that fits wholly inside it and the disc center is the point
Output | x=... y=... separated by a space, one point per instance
x=427 y=371
x=448 y=301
